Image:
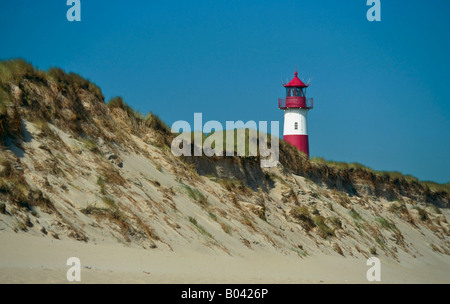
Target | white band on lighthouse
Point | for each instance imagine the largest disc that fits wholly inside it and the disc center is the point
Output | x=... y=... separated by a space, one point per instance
x=295 y=122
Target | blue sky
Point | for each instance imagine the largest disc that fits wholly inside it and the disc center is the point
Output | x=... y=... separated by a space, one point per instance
x=381 y=88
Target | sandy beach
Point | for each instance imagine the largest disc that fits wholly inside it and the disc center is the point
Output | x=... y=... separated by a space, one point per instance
x=28 y=259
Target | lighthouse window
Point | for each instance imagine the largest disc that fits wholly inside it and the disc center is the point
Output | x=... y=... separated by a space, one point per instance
x=296 y=126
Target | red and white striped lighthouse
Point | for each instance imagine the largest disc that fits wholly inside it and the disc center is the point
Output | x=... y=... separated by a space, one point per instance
x=296 y=107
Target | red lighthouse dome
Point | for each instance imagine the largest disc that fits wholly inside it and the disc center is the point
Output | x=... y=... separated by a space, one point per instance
x=296 y=82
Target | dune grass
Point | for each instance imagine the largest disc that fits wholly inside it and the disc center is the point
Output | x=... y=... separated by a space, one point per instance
x=324 y=230
x=303 y=215
x=393 y=175
x=15 y=71
x=355 y=215
x=199 y=227
x=196 y=195
x=385 y=224
x=149 y=120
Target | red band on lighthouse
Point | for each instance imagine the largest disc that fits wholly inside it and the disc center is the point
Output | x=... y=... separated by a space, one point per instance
x=299 y=141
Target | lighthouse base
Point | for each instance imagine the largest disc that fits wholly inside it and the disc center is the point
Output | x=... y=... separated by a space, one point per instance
x=299 y=141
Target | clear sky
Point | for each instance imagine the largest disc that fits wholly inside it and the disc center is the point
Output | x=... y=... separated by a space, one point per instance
x=381 y=89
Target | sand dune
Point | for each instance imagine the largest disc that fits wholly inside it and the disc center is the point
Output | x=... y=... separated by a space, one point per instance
x=82 y=179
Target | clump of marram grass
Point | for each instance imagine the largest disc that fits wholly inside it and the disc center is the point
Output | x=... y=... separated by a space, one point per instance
x=304 y=217
x=140 y=124
x=6 y=168
x=110 y=202
x=153 y=121
x=234 y=200
x=15 y=189
x=247 y=221
x=20 y=226
x=226 y=228
x=330 y=206
x=341 y=198
x=336 y=222
x=199 y=227
x=114 y=215
x=323 y=229
x=373 y=250
x=111 y=175
x=230 y=184
x=150 y=232
x=234 y=185
x=94 y=210
x=260 y=212
x=213 y=216
x=73 y=81
x=300 y=251
x=196 y=195
x=423 y=214
x=401 y=210
x=338 y=249
x=355 y=215
x=101 y=183
x=193 y=220
x=90 y=145
x=119 y=103
x=12 y=71
x=43 y=126
x=385 y=223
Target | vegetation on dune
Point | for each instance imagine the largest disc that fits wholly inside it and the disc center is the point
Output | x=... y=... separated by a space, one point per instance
x=324 y=230
x=74 y=103
x=436 y=187
x=140 y=123
x=303 y=215
x=196 y=195
x=246 y=142
x=150 y=120
x=14 y=188
x=199 y=227
x=66 y=100
x=13 y=71
x=385 y=223
x=392 y=175
x=119 y=103
x=355 y=215
x=53 y=96
x=73 y=81
x=337 y=199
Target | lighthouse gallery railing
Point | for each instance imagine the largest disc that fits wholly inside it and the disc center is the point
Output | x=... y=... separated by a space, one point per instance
x=296 y=102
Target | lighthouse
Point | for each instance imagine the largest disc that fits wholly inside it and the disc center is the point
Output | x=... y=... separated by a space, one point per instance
x=296 y=107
